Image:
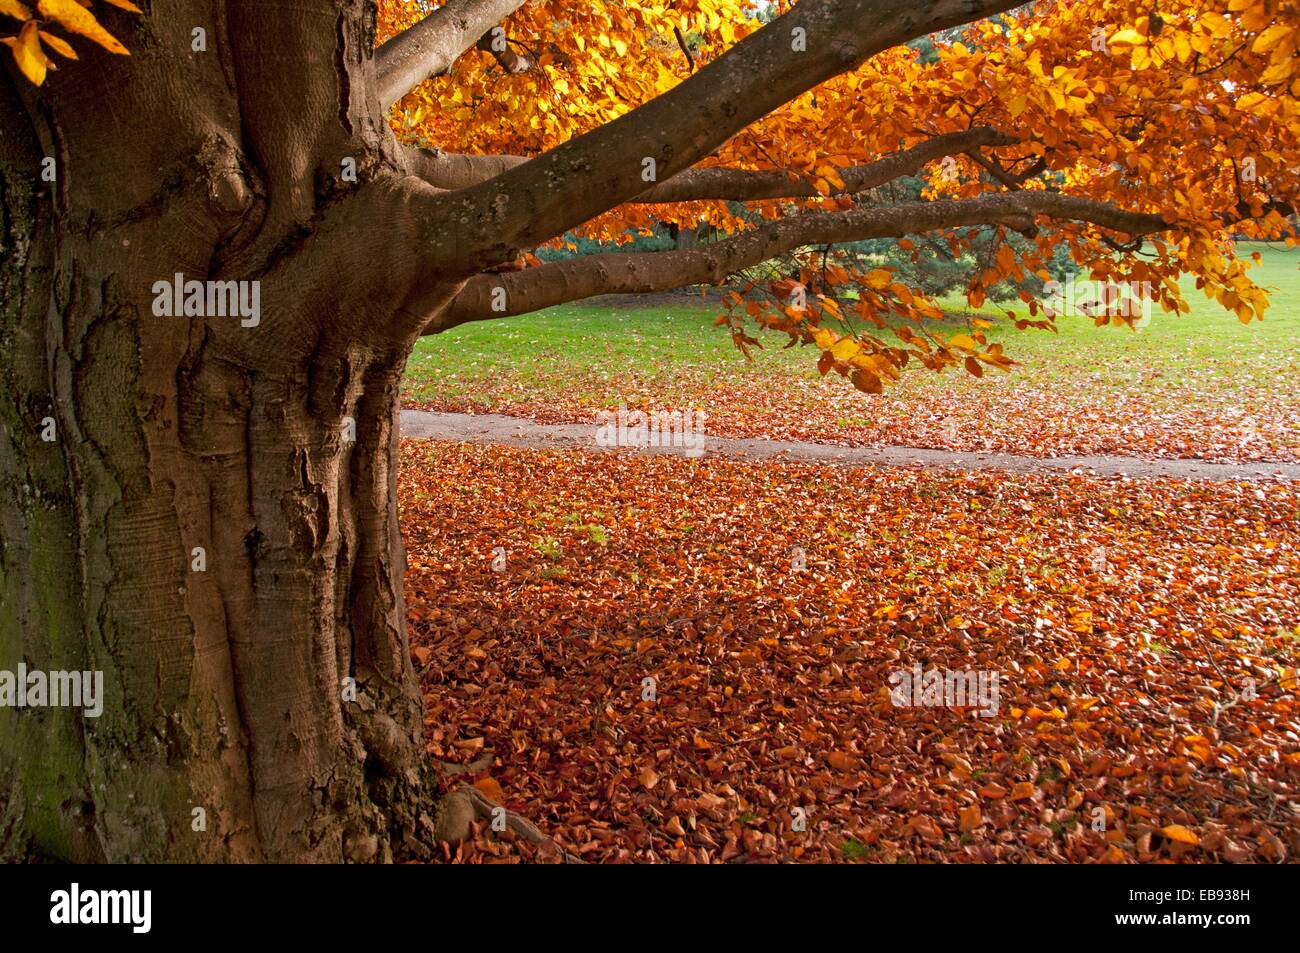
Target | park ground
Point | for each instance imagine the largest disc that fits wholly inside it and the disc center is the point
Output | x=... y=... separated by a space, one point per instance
x=1145 y=632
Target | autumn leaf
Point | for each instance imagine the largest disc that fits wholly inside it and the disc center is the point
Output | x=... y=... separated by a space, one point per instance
x=1022 y=791
x=75 y=17
x=841 y=761
x=866 y=382
x=1180 y=834
x=27 y=53
x=491 y=788
x=1128 y=37
x=15 y=9
x=58 y=45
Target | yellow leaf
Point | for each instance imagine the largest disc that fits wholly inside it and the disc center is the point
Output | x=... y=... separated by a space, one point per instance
x=125 y=5
x=1127 y=38
x=879 y=278
x=845 y=348
x=1176 y=832
x=824 y=337
x=1278 y=71
x=1271 y=38
x=28 y=55
x=1254 y=102
x=962 y=342
x=831 y=175
x=78 y=19
x=15 y=9
x=58 y=45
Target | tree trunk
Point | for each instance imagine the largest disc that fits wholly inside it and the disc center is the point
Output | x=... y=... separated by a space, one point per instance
x=204 y=511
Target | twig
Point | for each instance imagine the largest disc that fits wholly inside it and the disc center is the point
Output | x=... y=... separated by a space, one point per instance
x=681 y=41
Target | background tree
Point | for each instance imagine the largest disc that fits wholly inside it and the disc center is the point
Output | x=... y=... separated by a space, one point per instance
x=203 y=507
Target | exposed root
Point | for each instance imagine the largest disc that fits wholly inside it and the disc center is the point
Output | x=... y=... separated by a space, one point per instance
x=467 y=803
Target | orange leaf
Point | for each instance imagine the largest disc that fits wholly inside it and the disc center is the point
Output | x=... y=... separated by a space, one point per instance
x=58 y=45
x=1176 y=832
x=490 y=789
x=841 y=760
x=1022 y=791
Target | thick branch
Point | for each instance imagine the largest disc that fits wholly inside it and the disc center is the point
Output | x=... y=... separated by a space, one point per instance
x=815 y=41
x=641 y=272
x=432 y=45
x=454 y=171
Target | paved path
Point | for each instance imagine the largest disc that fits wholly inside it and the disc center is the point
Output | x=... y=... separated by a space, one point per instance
x=518 y=432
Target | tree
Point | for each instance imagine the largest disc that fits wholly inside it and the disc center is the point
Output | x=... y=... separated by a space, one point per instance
x=221 y=248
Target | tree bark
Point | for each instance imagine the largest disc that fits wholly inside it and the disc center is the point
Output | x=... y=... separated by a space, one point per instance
x=213 y=525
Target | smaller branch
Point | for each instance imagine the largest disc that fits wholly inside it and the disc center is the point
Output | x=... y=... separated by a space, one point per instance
x=1223 y=62
x=993 y=169
x=681 y=41
x=497 y=43
x=1012 y=180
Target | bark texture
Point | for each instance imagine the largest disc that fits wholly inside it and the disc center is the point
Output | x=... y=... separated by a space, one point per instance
x=214 y=523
